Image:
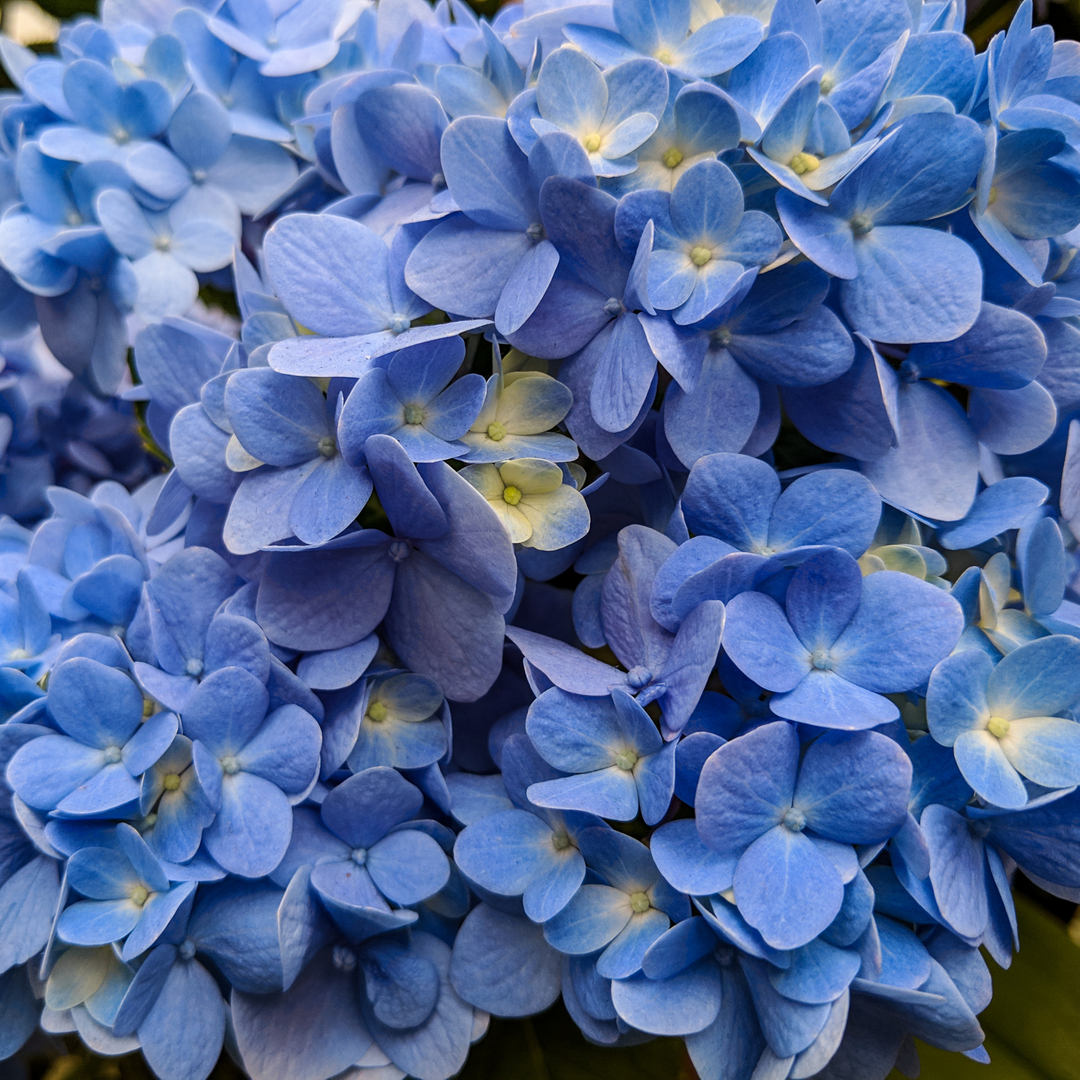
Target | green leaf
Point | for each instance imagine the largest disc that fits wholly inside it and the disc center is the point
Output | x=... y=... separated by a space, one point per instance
x=1033 y=1024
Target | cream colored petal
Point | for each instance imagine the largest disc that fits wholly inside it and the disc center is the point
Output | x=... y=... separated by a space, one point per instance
x=486 y=480
x=513 y=521
x=489 y=408
x=518 y=364
x=237 y=458
x=533 y=404
x=558 y=518
x=531 y=475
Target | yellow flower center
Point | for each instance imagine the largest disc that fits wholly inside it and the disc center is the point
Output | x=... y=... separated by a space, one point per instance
x=665 y=57
x=512 y=495
x=171 y=782
x=591 y=143
x=700 y=255
x=672 y=157
x=139 y=896
x=496 y=431
x=639 y=902
x=998 y=727
x=378 y=712
x=992 y=197
x=804 y=163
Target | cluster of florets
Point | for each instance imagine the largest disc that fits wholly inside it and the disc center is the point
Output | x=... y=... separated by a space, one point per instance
x=439 y=637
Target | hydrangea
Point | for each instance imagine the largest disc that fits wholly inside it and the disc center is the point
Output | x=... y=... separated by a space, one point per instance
x=622 y=545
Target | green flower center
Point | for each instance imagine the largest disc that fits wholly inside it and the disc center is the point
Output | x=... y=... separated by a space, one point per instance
x=672 y=157
x=700 y=255
x=139 y=895
x=560 y=841
x=377 y=712
x=626 y=759
x=414 y=414
x=327 y=446
x=171 y=782
x=230 y=764
x=496 y=431
x=639 y=901
x=804 y=163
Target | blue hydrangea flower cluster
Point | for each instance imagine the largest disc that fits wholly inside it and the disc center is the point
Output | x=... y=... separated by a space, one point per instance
x=623 y=547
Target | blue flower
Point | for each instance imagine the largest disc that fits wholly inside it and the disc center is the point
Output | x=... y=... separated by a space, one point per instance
x=442 y=580
x=249 y=764
x=671 y=668
x=339 y=279
x=755 y=801
x=1001 y=722
x=622 y=916
x=209 y=164
x=841 y=641
x=403 y=725
x=306 y=488
x=532 y=852
x=27 y=642
x=865 y=236
x=663 y=31
x=286 y=39
x=179 y=636
x=166 y=249
x=738 y=501
x=698 y=124
x=87 y=558
x=364 y=854
x=107 y=117
x=170 y=791
x=606 y=288
x=128 y=896
x=414 y=401
x=89 y=768
x=610 y=113
x=702 y=240
x=1023 y=194
x=856 y=42
x=497 y=188
x=234 y=80
x=772 y=329
x=617 y=759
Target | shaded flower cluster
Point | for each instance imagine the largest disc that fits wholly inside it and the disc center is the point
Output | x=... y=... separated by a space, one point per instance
x=622 y=549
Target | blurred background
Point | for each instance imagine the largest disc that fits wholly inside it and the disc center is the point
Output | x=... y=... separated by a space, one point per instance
x=1033 y=1024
